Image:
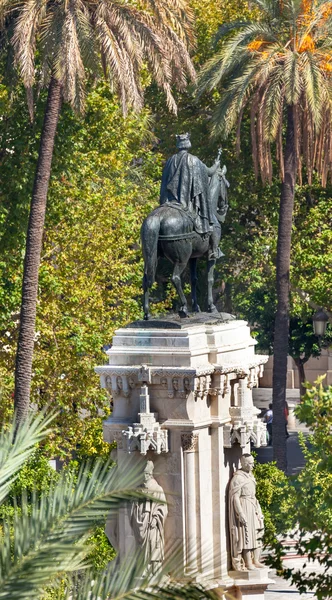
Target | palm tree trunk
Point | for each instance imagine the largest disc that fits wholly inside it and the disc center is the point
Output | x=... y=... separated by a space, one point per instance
x=281 y=331
x=26 y=336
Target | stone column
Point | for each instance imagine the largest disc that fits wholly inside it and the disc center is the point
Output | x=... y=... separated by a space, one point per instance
x=189 y=445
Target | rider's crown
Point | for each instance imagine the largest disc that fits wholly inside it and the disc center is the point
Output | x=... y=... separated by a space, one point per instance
x=183 y=141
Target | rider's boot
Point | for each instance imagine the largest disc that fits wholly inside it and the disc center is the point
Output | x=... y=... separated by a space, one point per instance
x=214 y=251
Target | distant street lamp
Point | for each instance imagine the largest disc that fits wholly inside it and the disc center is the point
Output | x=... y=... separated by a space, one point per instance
x=320 y=320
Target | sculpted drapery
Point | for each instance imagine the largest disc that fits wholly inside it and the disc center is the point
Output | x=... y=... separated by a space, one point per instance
x=185 y=180
x=246 y=522
x=148 y=521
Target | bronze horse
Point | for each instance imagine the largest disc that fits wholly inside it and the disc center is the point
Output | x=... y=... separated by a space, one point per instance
x=168 y=231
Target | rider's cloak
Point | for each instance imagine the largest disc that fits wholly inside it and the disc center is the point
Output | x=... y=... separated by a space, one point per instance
x=185 y=180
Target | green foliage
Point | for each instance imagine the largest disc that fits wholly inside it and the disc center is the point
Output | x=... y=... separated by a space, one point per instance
x=36 y=477
x=46 y=538
x=105 y=180
x=312 y=504
x=45 y=546
x=249 y=268
x=315 y=411
x=276 y=497
x=92 y=444
x=312 y=246
x=209 y=16
x=101 y=552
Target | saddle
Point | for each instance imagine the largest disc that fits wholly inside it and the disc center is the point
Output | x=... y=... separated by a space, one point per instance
x=191 y=214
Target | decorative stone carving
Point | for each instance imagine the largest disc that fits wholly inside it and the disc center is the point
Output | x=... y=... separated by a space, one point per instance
x=148 y=521
x=225 y=387
x=189 y=441
x=147 y=433
x=240 y=370
x=203 y=389
x=144 y=374
x=143 y=439
x=120 y=382
x=245 y=426
x=177 y=382
x=243 y=432
x=246 y=522
x=254 y=375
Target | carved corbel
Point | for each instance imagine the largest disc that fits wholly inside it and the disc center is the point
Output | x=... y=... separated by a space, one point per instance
x=189 y=441
x=170 y=387
x=226 y=388
x=144 y=374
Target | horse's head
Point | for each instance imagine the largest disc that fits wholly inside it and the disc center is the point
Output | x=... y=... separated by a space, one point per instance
x=218 y=193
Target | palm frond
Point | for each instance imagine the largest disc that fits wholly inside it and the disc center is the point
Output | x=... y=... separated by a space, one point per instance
x=177 y=15
x=68 y=63
x=25 y=35
x=51 y=539
x=227 y=28
x=312 y=84
x=292 y=79
x=233 y=53
x=274 y=104
x=157 y=32
x=17 y=444
x=128 y=582
x=229 y=108
x=269 y=8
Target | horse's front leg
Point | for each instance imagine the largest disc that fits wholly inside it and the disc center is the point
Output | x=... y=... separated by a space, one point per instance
x=210 y=277
x=146 y=298
x=176 y=280
x=194 y=278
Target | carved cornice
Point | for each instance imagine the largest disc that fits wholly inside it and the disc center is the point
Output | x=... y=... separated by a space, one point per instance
x=242 y=370
x=120 y=380
x=172 y=372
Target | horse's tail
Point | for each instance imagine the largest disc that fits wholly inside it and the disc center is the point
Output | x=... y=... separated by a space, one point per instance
x=149 y=236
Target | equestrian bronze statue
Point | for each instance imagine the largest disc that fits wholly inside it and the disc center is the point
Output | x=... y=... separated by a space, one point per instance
x=186 y=225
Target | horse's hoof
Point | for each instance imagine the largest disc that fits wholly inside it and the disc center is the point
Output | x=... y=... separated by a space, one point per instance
x=196 y=308
x=183 y=313
x=213 y=309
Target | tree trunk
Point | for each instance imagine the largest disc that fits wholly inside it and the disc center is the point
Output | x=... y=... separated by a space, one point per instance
x=26 y=337
x=281 y=331
x=300 y=369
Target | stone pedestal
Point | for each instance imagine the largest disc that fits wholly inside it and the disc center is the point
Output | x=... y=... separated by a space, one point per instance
x=250 y=585
x=182 y=396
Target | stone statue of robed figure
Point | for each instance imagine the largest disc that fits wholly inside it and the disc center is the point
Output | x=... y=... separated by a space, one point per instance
x=246 y=521
x=186 y=225
x=148 y=521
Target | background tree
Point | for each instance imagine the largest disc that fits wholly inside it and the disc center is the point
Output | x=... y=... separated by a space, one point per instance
x=105 y=179
x=71 y=38
x=311 y=498
x=280 y=66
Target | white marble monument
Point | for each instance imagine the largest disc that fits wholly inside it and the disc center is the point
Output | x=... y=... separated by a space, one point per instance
x=182 y=398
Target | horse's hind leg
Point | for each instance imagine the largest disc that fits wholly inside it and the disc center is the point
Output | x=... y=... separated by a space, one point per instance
x=145 y=298
x=194 y=278
x=176 y=280
x=210 y=278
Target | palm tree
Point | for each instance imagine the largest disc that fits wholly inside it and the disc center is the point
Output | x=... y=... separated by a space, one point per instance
x=47 y=539
x=71 y=38
x=280 y=66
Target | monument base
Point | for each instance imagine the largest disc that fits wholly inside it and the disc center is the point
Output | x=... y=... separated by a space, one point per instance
x=182 y=396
